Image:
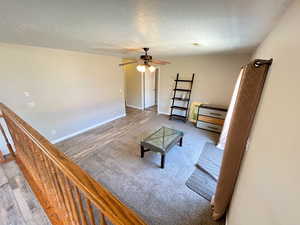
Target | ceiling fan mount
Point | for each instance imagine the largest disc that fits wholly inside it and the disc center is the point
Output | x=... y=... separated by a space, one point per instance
x=146 y=49
x=147 y=58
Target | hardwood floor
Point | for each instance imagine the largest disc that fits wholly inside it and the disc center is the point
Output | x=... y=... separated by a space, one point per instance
x=152 y=108
x=18 y=205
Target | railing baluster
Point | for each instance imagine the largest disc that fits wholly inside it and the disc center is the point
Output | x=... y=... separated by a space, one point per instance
x=102 y=219
x=81 y=210
x=36 y=158
x=65 y=216
x=67 y=200
x=54 y=187
x=90 y=212
x=47 y=181
x=69 y=188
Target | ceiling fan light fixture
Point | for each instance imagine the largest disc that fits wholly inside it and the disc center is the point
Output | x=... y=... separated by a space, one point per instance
x=141 y=68
x=151 y=68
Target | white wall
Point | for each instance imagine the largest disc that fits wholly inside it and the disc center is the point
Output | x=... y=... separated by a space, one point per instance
x=69 y=91
x=268 y=189
x=215 y=76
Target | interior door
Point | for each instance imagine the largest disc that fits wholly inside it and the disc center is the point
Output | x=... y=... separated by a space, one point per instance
x=149 y=89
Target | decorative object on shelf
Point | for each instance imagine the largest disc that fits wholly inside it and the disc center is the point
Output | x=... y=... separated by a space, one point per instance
x=210 y=117
x=194 y=111
x=183 y=96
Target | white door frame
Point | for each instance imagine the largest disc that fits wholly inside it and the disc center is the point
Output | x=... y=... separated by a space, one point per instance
x=143 y=89
x=158 y=87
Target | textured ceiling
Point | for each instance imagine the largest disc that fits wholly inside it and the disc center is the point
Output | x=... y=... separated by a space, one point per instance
x=168 y=27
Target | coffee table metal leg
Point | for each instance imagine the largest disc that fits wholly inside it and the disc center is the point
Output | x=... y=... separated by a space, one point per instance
x=180 y=142
x=142 y=151
x=162 y=164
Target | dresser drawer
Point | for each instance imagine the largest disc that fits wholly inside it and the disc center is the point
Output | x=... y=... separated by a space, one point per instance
x=212 y=112
x=209 y=126
x=212 y=120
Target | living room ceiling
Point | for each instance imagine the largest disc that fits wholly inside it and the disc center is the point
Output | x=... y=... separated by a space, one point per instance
x=117 y=27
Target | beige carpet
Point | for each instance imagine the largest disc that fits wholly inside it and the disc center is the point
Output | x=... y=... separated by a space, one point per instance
x=111 y=154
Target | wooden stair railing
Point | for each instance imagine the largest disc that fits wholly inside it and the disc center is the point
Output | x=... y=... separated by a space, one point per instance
x=67 y=193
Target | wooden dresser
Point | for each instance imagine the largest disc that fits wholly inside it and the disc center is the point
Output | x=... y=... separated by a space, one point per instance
x=211 y=117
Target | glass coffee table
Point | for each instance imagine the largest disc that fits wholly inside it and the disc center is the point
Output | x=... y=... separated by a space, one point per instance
x=161 y=141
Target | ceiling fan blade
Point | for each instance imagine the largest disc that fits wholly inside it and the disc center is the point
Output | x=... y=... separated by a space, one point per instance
x=132 y=50
x=161 y=62
x=124 y=64
x=111 y=49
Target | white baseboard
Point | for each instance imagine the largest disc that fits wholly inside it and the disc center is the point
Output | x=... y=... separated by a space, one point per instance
x=86 y=129
x=133 y=106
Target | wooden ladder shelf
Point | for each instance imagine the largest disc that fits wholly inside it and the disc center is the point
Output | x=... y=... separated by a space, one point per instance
x=186 y=101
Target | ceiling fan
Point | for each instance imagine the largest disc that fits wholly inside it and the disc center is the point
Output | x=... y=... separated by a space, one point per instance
x=145 y=61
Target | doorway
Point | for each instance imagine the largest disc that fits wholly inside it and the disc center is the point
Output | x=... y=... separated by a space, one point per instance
x=150 y=90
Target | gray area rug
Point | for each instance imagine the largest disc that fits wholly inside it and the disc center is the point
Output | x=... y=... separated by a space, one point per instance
x=203 y=180
x=111 y=154
x=202 y=183
x=210 y=160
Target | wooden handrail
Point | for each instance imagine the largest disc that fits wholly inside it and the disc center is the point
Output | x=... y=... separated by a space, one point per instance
x=68 y=194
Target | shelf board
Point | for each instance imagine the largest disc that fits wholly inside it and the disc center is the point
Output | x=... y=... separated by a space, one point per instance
x=185 y=90
x=179 y=107
x=181 y=99
x=184 y=80
x=178 y=117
